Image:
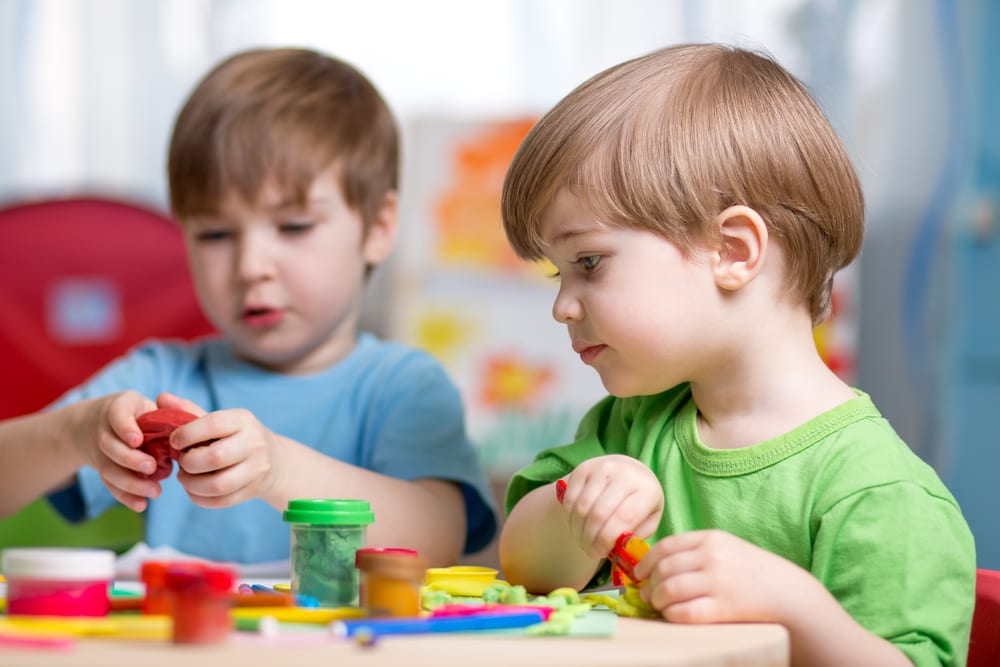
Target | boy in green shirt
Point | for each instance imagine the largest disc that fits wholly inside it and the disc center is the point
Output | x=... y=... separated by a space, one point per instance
x=696 y=204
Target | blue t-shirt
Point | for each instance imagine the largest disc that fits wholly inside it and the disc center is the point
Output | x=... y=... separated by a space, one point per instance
x=385 y=407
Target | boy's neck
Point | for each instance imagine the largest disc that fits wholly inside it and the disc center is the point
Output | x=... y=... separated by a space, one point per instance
x=775 y=383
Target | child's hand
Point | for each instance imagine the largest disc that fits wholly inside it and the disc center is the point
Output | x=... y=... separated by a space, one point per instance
x=236 y=466
x=711 y=576
x=123 y=468
x=610 y=495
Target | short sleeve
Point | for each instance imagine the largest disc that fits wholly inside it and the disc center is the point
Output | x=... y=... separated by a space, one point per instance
x=901 y=561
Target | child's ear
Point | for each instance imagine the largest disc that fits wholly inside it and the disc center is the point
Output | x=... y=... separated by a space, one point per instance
x=381 y=236
x=742 y=247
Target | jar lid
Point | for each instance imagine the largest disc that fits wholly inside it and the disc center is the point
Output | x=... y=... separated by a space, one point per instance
x=59 y=563
x=196 y=576
x=154 y=572
x=336 y=512
x=393 y=563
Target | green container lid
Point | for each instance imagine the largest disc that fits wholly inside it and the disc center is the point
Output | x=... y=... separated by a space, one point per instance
x=334 y=512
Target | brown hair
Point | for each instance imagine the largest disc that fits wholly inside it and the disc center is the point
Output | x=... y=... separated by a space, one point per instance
x=282 y=115
x=669 y=140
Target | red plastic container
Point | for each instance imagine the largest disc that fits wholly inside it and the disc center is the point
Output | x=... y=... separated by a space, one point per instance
x=202 y=595
x=58 y=582
x=158 y=598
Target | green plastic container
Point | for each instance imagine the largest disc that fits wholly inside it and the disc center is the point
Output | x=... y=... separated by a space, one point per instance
x=326 y=533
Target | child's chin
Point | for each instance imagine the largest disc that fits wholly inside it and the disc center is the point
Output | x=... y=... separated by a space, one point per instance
x=621 y=389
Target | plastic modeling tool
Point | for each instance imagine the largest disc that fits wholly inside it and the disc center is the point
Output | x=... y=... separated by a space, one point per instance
x=627 y=553
x=377 y=627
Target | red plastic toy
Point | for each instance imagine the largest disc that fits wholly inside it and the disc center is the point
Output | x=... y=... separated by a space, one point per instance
x=156 y=429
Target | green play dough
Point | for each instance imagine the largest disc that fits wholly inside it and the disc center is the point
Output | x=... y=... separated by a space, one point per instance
x=326 y=534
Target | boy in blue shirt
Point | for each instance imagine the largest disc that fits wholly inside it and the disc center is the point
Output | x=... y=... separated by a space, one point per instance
x=283 y=169
x=696 y=204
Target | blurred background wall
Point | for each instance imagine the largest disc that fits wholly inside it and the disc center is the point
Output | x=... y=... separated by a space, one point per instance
x=90 y=89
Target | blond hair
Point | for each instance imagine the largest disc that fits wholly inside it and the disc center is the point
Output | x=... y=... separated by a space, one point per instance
x=282 y=116
x=669 y=140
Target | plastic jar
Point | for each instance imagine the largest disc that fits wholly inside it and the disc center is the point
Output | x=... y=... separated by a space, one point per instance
x=390 y=581
x=201 y=597
x=325 y=534
x=157 y=599
x=49 y=581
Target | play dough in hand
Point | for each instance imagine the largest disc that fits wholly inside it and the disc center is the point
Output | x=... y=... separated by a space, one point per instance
x=156 y=429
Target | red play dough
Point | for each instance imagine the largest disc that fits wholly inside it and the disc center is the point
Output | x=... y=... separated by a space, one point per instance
x=156 y=429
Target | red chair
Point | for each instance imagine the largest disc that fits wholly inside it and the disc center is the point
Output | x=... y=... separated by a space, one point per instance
x=81 y=281
x=984 y=647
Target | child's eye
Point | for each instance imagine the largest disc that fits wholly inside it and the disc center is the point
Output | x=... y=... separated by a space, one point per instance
x=213 y=235
x=588 y=262
x=294 y=228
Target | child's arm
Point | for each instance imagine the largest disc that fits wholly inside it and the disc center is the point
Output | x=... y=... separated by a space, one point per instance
x=711 y=576
x=547 y=545
x=41 y=452
x=537 y=549
x=248 y=460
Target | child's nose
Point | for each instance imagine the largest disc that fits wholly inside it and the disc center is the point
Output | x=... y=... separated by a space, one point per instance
x=567 y=308
x=254 y=260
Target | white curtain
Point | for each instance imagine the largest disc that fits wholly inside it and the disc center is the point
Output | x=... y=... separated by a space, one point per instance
x=91 y=87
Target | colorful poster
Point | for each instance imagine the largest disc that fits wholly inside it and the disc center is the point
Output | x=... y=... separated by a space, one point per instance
x=461 y=293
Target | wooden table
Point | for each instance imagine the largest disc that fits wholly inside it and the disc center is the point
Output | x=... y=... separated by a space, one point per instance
x=637 y=643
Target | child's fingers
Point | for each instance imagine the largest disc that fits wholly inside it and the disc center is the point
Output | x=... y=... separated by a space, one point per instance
x=211 y=427
x=122 y=413
x=128 y=488
x=221 y=488
x=168 y=400
x=703 y=609
x=212 y=457
x=648 y=525
x=671 y=556
x=589 y=515
x=693 y=539
x=134 y=503
x=687 y=585
x=125 y=456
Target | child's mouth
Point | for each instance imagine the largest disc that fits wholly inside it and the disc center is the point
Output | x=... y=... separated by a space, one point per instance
x=261 y=317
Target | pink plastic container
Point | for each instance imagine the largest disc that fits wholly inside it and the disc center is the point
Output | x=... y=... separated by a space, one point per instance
x=58 y=582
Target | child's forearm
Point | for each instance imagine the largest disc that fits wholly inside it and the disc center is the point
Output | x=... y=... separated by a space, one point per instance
x=37 y=455
x=537 y=549
x=427 y=515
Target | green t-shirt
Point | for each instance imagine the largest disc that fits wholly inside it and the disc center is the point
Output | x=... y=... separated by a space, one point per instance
x=841 y=496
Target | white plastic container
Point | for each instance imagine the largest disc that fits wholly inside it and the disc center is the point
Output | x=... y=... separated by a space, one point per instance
x=51 y=581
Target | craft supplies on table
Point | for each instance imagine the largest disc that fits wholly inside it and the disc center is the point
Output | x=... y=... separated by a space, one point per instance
x=325 y=535
x=461 y=580
x=498 y=620
x=299 y=615
x=51 y=581
x=201 y=597
x=390 y=581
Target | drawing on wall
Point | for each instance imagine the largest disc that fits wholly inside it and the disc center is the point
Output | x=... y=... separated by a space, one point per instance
x=462 y=294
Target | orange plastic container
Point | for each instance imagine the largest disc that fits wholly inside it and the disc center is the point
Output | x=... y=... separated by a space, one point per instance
x=390 y=581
